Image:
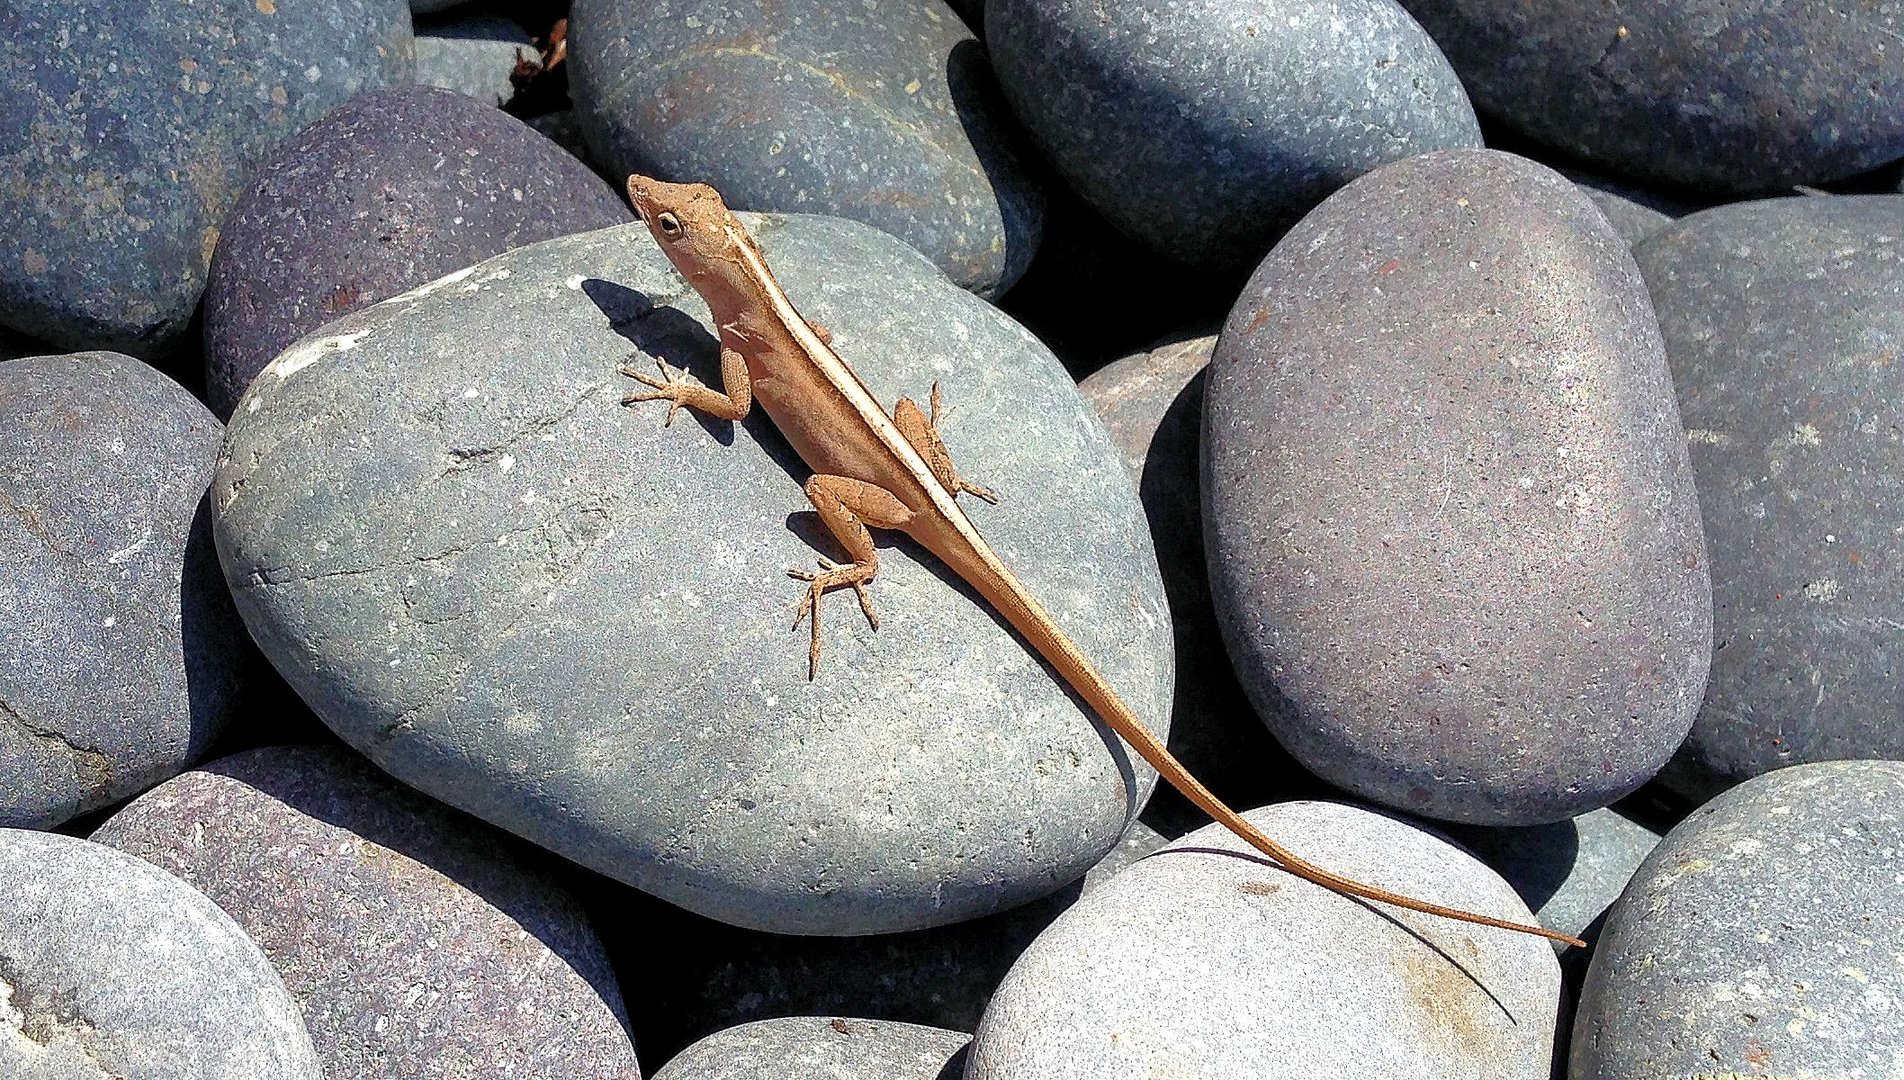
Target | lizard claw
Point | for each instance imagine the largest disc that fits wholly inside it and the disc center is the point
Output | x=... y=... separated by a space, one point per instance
x=829 y=575
x=667 y=388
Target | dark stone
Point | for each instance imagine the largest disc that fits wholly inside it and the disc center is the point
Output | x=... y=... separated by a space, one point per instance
x=1635 y=213
x=557 y=614
x=128 y=129
x=1728 y=96
x=1447 y=503
x=1784 y=325
x=472 y=55
x=884 y=114
x=836 y=1048
x=390 y=191
x=1205 y=130
x=120 y=655
x=409 y=935
x=1760 y=938
x=112 y=968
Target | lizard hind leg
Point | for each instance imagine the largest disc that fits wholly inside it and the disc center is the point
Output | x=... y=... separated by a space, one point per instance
x=846 y=506
x=923 y=433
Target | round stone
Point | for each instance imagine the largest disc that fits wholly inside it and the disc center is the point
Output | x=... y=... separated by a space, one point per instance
x=1635 y=213
x=417 y=942
x=884 y=113
x=472 y=55
x=1761 y=937
x=835 y=1048
x=128 y=130
x=1713 y=94
x=555 y=612
x=1448 y=508
x=110 y=967
x=1784 y=324
x=1204 y=959
x=120 y=656
x=1206 y=128
x=387 y=192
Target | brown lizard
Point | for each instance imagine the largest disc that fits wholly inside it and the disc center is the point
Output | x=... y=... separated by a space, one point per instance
x=888 y=472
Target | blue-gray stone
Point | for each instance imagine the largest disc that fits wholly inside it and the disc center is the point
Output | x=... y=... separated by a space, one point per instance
x=822 y=1048
x=1761 y=938
x=1449 y=515
x=128 y=130
x=1723 y=95
x=1206 y=128
x=472 y=54
x=549 y=610
x=1635 y=213
x=120 y=656
x=1784 y=326
x=881 y=111
x=1569 y=872
x=387 y=192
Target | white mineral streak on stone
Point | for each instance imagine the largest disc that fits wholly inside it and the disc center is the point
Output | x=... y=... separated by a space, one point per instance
x=421 y=291
x=304 y=354
x=131 y=549
x=575 y=282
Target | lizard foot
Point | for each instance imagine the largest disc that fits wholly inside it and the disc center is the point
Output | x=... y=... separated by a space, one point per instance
x=671 y=387
x=830 y=575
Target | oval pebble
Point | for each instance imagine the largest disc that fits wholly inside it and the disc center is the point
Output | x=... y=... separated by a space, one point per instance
x=390 y=191
x=128 y=130
x=1761 y=938
x=1711 y=94
x=374 y=902
x=881 y=111
x=1203 y=960
x=120 y=655
x=1206 y=128
x=1784 y=325
x=554 y=612
x=110 y=967
x=824 y=1048
x=1447 y=503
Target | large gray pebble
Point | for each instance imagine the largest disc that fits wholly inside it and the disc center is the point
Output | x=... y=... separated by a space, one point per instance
x=1725 y=95
x=1784 y=325
x=1762 y=937
x=822 y=1048
x=417 y=942
x=127 y=131
x=882 y=111
x=120 y=656
x=551 y=611
x=1206 y=128
x=1447 y=502
x=1203 y=960
x=111 y=968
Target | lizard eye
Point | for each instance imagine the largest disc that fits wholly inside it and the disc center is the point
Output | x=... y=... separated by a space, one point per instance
x=670 y=225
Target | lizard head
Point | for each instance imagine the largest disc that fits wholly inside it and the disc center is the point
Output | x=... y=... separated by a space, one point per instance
x=692 y=225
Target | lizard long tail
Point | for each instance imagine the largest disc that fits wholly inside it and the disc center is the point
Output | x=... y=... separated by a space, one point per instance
x=1000 y=587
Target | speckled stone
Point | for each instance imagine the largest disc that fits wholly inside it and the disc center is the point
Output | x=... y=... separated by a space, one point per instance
x=1761 y=938
x=120 y=656
x=1447 y=503
x=111 y=968
x=1784 y=324
x=472 y=55
x=1203 y=960
x=417 y=942
x=881 y=111
x=822 y=1048
x=556 y=613
x=1205 y=128
x=1724 y=95
x=127 y=130
x=388 y=192
x=1569 y=872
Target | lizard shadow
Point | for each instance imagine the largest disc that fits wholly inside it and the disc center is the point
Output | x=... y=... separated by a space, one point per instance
x=679 y=340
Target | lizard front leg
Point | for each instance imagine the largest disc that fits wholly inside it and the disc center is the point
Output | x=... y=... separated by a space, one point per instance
x=670 y=387
x=847 y=506
x=923 y=433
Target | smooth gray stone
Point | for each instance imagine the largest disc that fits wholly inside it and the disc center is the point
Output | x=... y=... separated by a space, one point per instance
x=409 y=935
x=1729 y=96
x=120 y=656
x=822 y=1048
x=1570 y=871
x=1447 y=503
x=1205 y=128
x=127 y=130
x=111 y=969
x=1635 y=213
x=432 y=7
x=1784 y=324
x=553 y=612
x=1761 y=938
x=472 y=55
x=1203 y=960
x=884 y=112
